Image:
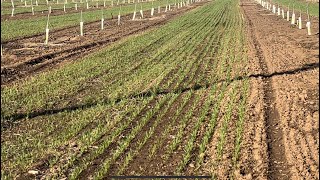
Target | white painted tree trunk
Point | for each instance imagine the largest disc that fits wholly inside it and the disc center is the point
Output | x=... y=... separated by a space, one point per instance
x=293 y=19
x=300 y=23
x=81 y=28
x=308 y=25
x=141 y=12
x=102 y=23
x=134 y=15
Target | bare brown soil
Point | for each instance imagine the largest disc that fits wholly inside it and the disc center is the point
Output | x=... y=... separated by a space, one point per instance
x=28 y=56
x=284 y=98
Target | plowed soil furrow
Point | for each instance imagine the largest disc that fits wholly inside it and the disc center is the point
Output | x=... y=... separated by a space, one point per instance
x=311 y=163
x=274 y=134
x=253 y=160
x=306 y=146
x=286 y=95
x=94 y=39
x=304 y=164
x=301 y=163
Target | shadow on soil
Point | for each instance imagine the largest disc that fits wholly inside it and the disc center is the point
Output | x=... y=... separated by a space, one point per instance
x=8 y=121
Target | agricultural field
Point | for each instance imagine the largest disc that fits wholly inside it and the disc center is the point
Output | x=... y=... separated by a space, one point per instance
x=225 y=89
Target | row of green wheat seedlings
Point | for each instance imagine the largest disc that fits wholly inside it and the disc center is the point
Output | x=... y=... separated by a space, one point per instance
x=211 y=126
x=212 y=123
x=189 y=65
x=186 y=68
x=48 y=132
x=86 y=137
x=230 y=105
x=189 y=50
x=227 y=66
x=109 y=139
x=190 y=144
x=172 y=64
x=85 y=141
x=157 y=55
x=32 y=150
x=135 y=152
x=144 y=61
x=182 y=49
x=232 y=50
x=239 y=126
x=166 y=58
x=226 y=119
x=205 y=51
x=245 y=89
x=213 y=44
x=185 y=41
x=181 y=78
x=160 y=141
x=220 y=57
x=184 y=122
x=104 y=167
